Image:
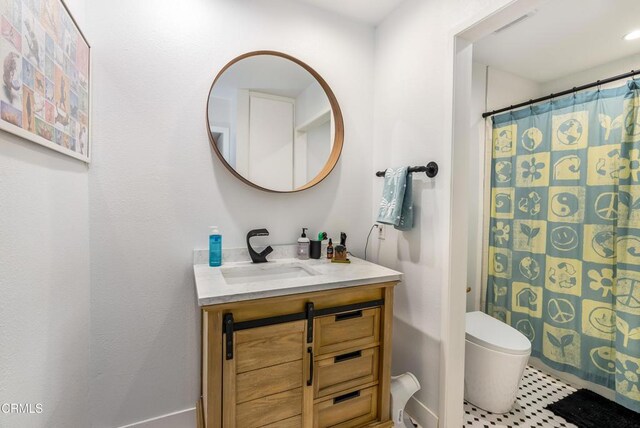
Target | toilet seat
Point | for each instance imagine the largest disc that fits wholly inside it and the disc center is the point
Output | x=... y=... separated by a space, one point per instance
x=490 y=333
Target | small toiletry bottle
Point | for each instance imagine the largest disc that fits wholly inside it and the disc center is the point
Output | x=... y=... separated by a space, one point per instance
x=330 y=249
x=303 y=245
x=215 y=247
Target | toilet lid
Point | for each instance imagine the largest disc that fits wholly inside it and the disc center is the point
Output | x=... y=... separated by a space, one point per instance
x=491 y=333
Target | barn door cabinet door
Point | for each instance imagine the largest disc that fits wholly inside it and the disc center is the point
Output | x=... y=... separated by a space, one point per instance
x=263 y=383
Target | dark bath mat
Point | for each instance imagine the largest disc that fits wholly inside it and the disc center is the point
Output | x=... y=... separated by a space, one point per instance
x=586 y=409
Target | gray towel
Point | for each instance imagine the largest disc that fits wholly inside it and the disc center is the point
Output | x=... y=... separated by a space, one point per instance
x=396 y=205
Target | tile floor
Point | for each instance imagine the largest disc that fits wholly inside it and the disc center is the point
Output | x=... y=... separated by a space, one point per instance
x=536 y=391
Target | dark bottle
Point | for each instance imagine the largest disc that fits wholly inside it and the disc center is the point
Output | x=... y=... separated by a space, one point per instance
x=330 y=249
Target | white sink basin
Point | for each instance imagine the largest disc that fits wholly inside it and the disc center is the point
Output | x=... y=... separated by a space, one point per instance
x=265 y=272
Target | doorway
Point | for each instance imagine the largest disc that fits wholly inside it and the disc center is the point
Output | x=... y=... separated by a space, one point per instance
x=481 y=83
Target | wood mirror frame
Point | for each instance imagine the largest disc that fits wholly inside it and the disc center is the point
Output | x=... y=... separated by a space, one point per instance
x=338 y=138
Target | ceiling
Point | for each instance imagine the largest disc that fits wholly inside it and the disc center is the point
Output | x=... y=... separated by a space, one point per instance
x=367 y=11
x=563 y=37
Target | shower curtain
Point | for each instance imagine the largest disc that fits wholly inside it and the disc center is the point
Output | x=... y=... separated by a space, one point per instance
x=564 y=234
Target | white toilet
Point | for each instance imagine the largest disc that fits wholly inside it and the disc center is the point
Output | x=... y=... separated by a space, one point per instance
x=496 y=355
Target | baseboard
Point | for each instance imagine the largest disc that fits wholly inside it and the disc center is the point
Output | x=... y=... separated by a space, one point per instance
x=187 y=418
x=421 y=414
x=181 y=419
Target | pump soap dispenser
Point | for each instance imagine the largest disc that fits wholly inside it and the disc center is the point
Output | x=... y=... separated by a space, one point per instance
x=303 y=245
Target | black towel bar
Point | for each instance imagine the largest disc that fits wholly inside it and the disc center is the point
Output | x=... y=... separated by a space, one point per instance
x=431 y=169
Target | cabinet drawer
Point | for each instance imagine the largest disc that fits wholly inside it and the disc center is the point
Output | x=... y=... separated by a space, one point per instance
x=354 y=329
x=348 y=410
x=346 y=371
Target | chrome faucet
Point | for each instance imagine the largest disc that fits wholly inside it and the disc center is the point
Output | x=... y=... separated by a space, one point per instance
x=255 y=256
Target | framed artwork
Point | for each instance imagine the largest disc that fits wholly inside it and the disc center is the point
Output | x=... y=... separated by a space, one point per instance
x=45 y=94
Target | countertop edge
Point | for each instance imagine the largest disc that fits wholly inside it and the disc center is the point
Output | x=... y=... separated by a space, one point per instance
x=253 y=295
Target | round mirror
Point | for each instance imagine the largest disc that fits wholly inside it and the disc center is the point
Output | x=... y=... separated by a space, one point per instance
x=274 y=122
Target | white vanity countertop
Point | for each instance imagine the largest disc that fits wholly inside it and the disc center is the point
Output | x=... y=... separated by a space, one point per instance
x=212 y=286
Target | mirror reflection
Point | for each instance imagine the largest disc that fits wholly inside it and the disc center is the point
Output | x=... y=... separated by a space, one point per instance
x=271 y=121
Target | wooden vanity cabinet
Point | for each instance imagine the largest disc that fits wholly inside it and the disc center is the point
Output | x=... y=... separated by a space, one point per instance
x=312 y=360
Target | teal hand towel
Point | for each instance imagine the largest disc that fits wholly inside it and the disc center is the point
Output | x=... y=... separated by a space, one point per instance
x=396 y=205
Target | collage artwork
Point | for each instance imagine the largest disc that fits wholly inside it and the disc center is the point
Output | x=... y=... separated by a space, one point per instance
x=45 y=75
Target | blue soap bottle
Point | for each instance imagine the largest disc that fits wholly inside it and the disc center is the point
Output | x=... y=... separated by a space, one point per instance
x=215 y=247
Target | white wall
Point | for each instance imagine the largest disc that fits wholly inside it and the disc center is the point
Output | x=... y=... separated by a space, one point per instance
x=44 y=281
x=310 y=103
x=603 y=71
x=319 y=147
x=313 y=146
x=505 y=89
x=156 y=185
x=413 y=89
x=475 y=157
x=221 y=112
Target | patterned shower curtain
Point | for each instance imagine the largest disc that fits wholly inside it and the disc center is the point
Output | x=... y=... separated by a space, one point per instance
x=564 y=237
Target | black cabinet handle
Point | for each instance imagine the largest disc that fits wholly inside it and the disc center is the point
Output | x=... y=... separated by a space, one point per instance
x=346 y=397
x=309 y=314
x=349 y=356
x=348 y=315
x=310 y=352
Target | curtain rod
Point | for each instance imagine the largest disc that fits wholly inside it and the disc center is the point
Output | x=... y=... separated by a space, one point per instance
x=559 y=94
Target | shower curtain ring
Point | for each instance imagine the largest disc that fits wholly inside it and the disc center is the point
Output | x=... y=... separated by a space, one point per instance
x=574 y=92
x=531 y=105
x=598 y=83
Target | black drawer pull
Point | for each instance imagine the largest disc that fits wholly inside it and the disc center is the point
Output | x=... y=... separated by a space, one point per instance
x=310 y=352
x=349 y=356
x=348 y=315
x=346 y=397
